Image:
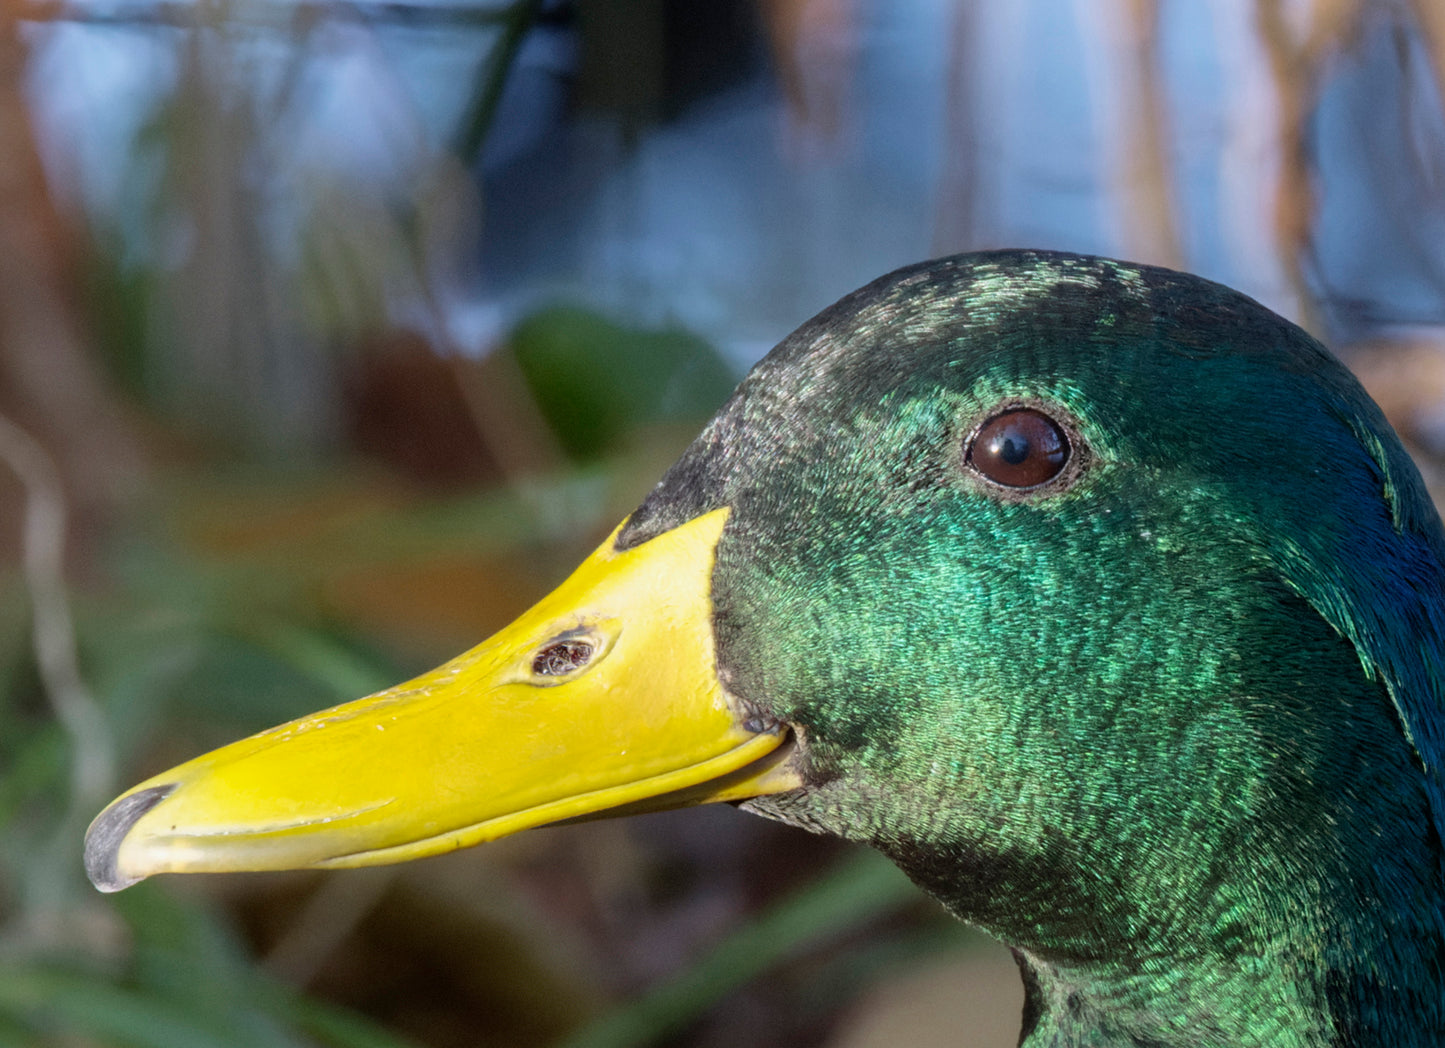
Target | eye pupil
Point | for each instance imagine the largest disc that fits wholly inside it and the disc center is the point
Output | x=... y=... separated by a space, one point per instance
x=1019 y=448
x=1012 y=448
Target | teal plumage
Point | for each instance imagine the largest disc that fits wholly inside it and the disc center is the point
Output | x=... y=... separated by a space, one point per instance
x=1171 y=729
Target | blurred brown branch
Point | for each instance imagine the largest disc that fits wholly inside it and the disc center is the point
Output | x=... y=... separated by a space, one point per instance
x=814 y=45
x=52 y=630
x=48 y=381
x=1297 y=58
x=1150 y=225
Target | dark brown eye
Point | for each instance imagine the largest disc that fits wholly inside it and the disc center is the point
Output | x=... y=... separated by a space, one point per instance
x=561 y=658
x=1021 y=448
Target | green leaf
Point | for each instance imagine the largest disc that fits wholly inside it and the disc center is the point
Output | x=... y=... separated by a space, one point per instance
x=595 y=380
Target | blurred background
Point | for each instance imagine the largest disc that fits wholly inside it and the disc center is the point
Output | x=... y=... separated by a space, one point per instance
x=333 y=334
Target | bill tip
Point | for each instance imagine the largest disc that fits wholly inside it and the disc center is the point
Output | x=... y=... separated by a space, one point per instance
x=108 y=832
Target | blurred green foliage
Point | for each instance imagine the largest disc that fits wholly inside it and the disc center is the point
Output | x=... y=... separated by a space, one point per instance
x=595 y=380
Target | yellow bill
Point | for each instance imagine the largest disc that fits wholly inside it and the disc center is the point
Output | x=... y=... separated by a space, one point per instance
x=603 y=695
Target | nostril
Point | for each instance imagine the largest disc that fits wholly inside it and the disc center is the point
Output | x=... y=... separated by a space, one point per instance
x=562 y=657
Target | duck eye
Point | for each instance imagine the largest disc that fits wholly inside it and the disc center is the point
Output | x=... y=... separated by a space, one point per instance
x=1019 y=448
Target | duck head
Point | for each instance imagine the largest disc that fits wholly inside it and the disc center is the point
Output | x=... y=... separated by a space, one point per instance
x=1100 y=598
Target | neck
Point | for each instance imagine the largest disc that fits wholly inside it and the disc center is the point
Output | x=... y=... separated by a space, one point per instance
x=1269 y=875
x=1229 y=1004
x=1280 y=955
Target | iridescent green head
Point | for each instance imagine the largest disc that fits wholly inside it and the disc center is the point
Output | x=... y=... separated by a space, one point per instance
x=1106 y=602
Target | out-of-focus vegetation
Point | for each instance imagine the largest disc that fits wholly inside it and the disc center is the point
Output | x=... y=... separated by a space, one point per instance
x=255 y=462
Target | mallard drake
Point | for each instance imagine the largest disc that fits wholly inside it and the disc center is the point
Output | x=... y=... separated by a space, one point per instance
x=1100 y=598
